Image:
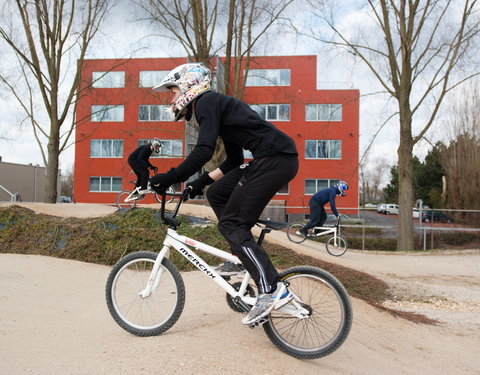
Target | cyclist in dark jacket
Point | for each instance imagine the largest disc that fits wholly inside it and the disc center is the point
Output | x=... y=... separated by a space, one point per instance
x=140 y=163
x=238 y=193
x=318 y=216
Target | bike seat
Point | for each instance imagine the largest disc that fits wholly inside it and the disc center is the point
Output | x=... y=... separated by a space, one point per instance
x=275 y=225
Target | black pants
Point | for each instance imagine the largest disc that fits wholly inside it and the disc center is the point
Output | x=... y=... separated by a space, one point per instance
x=142 y=173
x=238 y=199
x=318 y=216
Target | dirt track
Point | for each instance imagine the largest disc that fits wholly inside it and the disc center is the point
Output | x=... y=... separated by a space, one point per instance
x=54 y=321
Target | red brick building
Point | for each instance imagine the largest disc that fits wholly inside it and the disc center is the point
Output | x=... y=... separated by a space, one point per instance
x=119 y=111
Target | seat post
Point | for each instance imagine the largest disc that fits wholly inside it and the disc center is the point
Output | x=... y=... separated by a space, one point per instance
x=262 y=235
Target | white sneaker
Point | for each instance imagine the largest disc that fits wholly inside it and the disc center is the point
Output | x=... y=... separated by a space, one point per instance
x=267 y=302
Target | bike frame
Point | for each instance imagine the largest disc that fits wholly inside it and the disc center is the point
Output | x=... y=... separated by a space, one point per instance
x=183 y=245
x=325 y=230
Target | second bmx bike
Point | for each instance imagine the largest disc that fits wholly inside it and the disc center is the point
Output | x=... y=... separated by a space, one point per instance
x=335 y=244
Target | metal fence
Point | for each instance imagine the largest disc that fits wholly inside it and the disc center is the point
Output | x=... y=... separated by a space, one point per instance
x=456 y=227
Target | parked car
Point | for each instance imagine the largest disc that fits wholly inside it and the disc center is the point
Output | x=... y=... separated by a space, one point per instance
x=65 y=199
x=436 y=216
x=391 y=209
x=381 y=208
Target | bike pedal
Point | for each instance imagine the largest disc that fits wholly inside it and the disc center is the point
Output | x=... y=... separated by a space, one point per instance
x=258 y=323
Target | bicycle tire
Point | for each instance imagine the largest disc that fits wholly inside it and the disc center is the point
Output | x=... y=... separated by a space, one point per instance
x=170 y=190
x=336 y=249
x=292 y=233
x=330 y=320
x=152 y=315
x=120 y=200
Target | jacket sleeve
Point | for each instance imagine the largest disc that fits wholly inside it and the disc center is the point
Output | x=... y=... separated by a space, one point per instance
x=333 y=207
x=208 y=115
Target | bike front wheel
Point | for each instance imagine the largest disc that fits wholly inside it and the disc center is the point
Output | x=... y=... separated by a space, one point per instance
x=170 y=190
x=120 y=201
x=336 y=245
x=144 y=316
x=329 y=318
x=293 y=233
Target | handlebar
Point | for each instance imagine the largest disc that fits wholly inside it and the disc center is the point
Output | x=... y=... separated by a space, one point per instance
x=171 y=220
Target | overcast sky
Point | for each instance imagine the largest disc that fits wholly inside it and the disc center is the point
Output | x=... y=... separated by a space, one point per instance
x=121 y=36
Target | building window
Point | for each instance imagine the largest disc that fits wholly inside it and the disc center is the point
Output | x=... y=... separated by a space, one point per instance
x=153 y=113
x=151 y=78
x=171 y=148
x=268 y=77
x=323 y=112
x=106 y=113
x=105 y=184
x=108 y=79
x=323 y=149
x=273 y=112
x=312 y=186
x=106 y=148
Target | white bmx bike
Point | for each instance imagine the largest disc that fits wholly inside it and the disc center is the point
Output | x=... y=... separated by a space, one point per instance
x=145 y=294
x=335 y=244
x=128 y=198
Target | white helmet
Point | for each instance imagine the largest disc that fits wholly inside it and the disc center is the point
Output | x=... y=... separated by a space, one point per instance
x=341 y=187
x=156 y=144
x=192 y=79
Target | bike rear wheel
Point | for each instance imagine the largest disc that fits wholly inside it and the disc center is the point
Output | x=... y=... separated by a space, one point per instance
x=330 y=315
x=170 y=190
x=144 y=316
x=336 y=246
x=293 y=233
x=120 y=201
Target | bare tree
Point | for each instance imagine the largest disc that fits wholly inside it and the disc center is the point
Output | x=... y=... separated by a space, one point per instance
x=461 y=158
x=371 y=175
x=417 y=50
x=52 y=34
x=205 y=28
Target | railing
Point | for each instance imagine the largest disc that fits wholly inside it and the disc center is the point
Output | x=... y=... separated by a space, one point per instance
x=12 y=197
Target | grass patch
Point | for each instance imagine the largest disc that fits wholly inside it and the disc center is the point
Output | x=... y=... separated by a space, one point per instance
x=106 y=239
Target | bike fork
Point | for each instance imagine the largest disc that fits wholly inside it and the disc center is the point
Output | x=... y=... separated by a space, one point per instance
x=155 y=276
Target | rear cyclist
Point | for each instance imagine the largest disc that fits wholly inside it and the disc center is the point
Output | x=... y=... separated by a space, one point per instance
x=318 y=216
x=238 y=194
x=140 y=164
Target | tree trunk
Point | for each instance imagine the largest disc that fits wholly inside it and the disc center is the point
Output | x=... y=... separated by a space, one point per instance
x=52 y=164
x=405 y=184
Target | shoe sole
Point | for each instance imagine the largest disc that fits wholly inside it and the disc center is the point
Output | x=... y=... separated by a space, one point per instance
x=275 y=306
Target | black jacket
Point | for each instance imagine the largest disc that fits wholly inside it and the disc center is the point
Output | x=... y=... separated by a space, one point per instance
x=239 y=126
x=140 y=156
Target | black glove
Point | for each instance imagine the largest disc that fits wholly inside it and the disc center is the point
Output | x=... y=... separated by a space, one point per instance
x=161 y=182
x=154 y=169
x=198 y=184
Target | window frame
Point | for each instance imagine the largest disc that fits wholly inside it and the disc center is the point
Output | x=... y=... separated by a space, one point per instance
x=100 y=184
x=151 y=79
x=102 y=148
x=104 y=80
x=266 y=107
x=107 y=108
x=321 y=107
x=255 y=78
x=150 y=109
x=330 y=148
